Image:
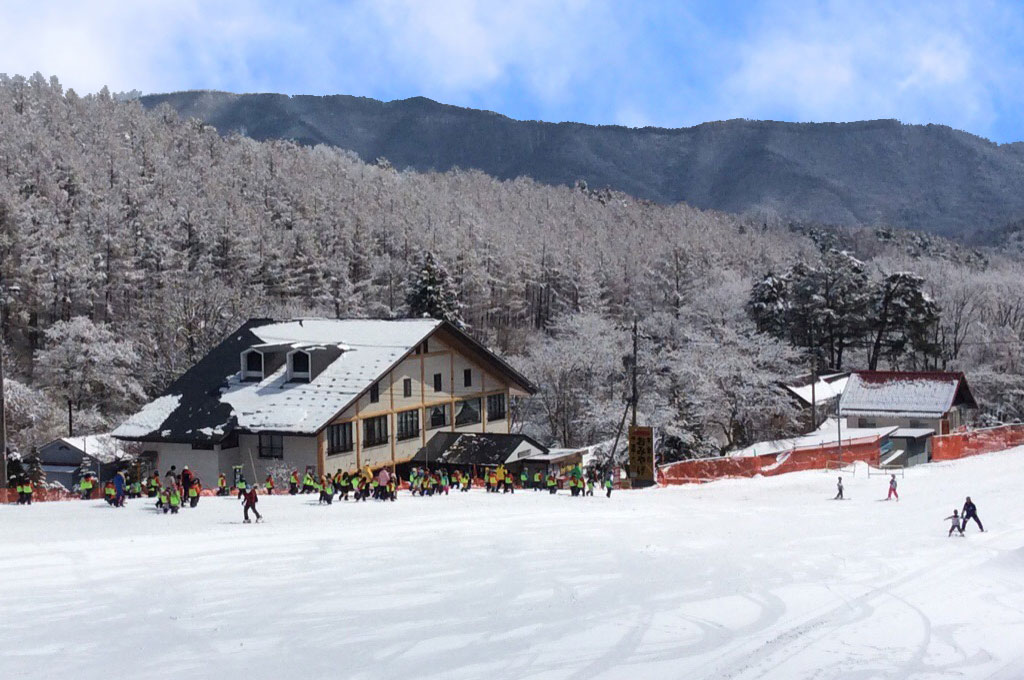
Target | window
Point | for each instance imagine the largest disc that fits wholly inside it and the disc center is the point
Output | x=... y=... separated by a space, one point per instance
x=467 y=378
x=439 y=416
x=407 y=387
x=271 y=446
x=339 y=438
x=374 y=393
x=202 y=446
x=254 y=362
x=468 y=413
x=409 y=424
x=495 y=407
x=438 y=385
x=375 y=431
x=300 y=367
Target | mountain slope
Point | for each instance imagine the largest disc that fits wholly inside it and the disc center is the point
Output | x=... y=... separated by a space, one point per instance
x=929 y=177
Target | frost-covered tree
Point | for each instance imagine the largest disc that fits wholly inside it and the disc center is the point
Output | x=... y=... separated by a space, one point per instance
x=85 y=363
x=432 y=292
x=903 y=321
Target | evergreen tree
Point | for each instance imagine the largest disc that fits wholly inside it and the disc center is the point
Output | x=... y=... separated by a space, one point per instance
x=432 y=292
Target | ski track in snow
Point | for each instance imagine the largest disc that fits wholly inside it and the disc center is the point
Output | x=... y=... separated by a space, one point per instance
x=744 y=579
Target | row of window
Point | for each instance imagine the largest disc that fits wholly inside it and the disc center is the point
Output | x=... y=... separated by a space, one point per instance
x=467 y=381
x=375 y=430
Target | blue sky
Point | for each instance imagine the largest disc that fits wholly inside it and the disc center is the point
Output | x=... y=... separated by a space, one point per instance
x=595 y=61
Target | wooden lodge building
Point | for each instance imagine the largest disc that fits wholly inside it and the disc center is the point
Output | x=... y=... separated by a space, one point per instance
x=324 y=395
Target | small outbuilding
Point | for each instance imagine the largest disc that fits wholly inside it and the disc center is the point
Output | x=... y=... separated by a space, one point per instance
x=65 y=459
x=920 y=404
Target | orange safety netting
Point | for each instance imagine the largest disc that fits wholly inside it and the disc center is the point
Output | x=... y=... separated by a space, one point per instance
x=807 y=458
x=974 y=442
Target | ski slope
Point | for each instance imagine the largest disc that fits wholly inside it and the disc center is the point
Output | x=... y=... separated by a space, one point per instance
x=746 y=578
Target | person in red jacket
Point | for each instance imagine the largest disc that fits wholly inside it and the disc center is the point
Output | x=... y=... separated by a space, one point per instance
x=249 y=500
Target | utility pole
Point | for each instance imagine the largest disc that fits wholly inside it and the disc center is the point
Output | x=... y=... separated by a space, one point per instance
x=814 y=401
x=634 y=398
x=3 y=421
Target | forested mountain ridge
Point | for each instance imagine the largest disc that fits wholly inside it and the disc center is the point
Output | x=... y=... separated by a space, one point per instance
x=878 y=173
x=132 y=241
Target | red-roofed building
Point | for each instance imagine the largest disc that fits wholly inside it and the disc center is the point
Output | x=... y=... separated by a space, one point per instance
x=920 y=403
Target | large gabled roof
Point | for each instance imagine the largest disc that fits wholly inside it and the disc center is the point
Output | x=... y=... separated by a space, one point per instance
x=898 y=394
x=211 y=399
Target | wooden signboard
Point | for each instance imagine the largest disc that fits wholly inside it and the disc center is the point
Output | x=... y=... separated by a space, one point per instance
x=641 y=454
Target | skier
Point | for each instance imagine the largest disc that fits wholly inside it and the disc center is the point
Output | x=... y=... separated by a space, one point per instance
x=193 y=492
x=154 y=484
x=241 y=486
x=249 y=500
x=186 y=480
x=222 y=485
x=268 y=484
x=293 y=483
x=839 y=485
x=135 y=489
x=536 y=481
x=109 y=492
x=552 y=484
x=970 y=511
x=163 y=500
x=119 y=484
x=892 y=489
x=85 y=486
x=174 y=499
x=955 y=524
x=171 y=478
x=608 y=485
x=326 y=490
x=590 y=485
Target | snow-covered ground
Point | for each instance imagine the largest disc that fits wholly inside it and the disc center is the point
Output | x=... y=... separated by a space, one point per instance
x=746 y=578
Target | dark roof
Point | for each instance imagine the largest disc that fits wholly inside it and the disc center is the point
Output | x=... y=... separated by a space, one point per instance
x=202 y=416
x=472 y=448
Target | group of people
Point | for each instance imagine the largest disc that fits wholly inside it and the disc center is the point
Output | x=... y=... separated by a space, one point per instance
x=25 y=488
x=958 y=522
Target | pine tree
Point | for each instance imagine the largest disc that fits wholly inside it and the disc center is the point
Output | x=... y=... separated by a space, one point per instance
x=432 y=292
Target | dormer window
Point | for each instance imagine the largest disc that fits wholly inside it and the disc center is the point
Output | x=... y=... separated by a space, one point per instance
x=299 y=366
x=252 y=365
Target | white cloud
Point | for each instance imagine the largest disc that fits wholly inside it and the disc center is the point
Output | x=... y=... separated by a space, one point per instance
x=921 y=62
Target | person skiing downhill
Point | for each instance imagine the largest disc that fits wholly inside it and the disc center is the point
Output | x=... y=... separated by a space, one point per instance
x=970 y=511
x=955 y=524
x=839 y=485
x=892 y=489
x=249 y=500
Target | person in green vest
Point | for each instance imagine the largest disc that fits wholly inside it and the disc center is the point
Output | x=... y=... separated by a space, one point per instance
x=241 y=486
x=307 y=483
x=552 y=484
x=193 y=494
x=135 y=489
x=163 y=500
x=608 y=486
x=523 y=479
x=222 y=485
x=154 y=485
x=85 y=486
x=326 y=489
x=109 y=492
x=536 y=481
x=174 y=500
x=590 y=486
x=268 y=484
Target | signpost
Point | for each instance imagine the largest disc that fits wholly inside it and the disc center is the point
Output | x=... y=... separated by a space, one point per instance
x=641 y=455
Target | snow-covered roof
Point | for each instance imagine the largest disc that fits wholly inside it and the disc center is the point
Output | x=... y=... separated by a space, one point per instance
x=904 y=394
x=826 y=388
x=553 y=455
x=827 y=434
x=212 y=398
x=913 y=432
x=370 y=348
x=100 y=447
